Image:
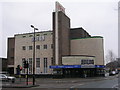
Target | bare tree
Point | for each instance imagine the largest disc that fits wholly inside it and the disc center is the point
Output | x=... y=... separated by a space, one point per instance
x=111 y=58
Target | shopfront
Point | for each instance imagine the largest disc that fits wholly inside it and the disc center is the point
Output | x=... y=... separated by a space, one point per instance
x=70 y=71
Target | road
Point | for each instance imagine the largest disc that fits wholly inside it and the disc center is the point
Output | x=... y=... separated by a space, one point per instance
x=109 y=82
x=71 y=83
x=98 y=84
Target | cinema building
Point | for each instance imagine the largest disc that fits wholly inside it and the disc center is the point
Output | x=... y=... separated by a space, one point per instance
x=70 y=52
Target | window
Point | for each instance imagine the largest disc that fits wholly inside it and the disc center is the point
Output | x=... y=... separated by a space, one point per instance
x=23 y=70
x=37 y=46
x=45 y=62
x=82 y=61
x=23 y=48
x=45 y=34
x=23 y=36
x=30 y=47
x=45 y=46
x=30 y=35
x=87 y=61
x=38 y=35
x=30 y=65
x=45 y=65
x=91 y=61
x=38 y=62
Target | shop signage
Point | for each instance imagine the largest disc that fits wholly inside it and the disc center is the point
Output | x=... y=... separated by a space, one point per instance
x=59 y=7
x=77 y=66
x=87 y=66
x=66 y=66
x=40 y=38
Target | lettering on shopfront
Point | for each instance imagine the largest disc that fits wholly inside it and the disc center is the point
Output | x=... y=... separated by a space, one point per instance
x=40 y=38
x=87 y=66
x=88 y=61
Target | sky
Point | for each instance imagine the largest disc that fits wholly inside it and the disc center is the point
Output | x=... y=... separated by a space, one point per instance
x=97 y=17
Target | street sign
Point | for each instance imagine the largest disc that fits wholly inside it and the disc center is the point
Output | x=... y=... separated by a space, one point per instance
x=87 y=66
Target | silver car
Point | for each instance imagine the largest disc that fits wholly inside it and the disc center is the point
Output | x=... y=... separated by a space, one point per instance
x=4 y=77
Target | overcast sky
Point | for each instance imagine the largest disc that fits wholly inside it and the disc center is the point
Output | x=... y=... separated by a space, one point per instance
x=97 y=17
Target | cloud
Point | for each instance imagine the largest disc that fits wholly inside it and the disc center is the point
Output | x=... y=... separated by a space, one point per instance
x=98 y=18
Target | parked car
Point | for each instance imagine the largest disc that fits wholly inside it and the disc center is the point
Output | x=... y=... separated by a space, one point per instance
x=4 y=77
x=106 y=74
x=112 y=73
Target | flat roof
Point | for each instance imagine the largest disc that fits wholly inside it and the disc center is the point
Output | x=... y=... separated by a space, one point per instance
x=78 y=56
x=32 y=33
x=88 y=37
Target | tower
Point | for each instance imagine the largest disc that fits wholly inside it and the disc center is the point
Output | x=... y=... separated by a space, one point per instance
x=61 y=34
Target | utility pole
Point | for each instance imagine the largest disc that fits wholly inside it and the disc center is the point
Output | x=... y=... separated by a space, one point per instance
x=34 y=54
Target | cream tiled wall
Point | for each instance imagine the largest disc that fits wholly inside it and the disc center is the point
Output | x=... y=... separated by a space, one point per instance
x=42 y=53
x=89 y=46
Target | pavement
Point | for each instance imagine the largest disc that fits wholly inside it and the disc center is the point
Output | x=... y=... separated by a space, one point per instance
x=21 y=83
x=18 y=84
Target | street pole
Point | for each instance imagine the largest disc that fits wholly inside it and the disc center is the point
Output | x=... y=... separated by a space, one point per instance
x=34 y=54
x=34 y=58
x=27 y=71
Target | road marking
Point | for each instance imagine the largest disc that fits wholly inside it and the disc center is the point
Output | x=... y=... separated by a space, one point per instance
x=76 y=85
x=115 y=86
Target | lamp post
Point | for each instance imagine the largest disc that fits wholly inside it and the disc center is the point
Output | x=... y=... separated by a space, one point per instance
x=34 y=54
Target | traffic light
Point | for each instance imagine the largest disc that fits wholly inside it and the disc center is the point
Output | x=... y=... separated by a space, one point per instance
x=18 y=69
x=24 y=63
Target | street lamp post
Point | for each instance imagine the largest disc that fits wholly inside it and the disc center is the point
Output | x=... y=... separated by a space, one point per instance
x=34 y=54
